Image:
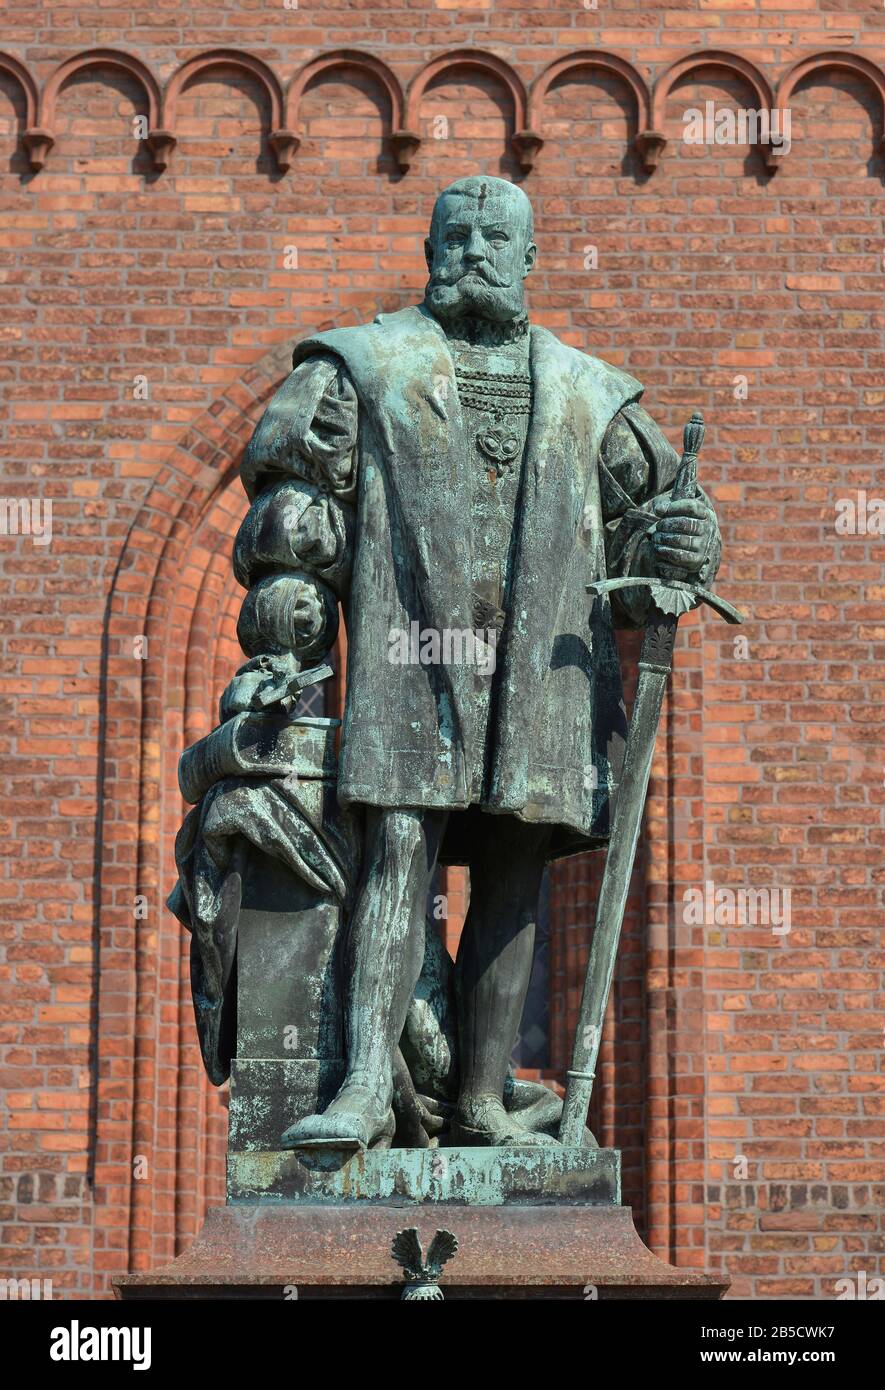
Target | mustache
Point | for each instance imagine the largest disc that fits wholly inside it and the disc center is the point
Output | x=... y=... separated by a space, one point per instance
x=486 y=275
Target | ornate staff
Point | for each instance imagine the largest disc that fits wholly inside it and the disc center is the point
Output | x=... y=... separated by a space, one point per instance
x=671 y=596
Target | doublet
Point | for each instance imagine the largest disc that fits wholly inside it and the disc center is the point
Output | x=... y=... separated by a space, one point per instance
x=494 y=390
x=466 y=518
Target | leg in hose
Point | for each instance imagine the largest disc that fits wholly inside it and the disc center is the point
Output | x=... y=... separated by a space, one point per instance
x=382 y=963
x=492 y=976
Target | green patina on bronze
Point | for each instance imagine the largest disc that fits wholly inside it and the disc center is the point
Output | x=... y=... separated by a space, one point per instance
x=485 y=1177
x=450 y=479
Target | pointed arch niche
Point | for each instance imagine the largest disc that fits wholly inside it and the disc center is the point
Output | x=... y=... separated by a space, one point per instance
x=159 y=1129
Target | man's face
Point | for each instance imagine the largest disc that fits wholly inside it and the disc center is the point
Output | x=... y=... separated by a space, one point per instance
x=479 y=257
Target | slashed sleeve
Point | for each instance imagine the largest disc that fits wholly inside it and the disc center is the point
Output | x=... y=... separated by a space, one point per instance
x=294 y=549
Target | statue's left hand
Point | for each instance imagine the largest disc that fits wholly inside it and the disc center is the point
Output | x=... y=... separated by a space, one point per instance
x=683 y=535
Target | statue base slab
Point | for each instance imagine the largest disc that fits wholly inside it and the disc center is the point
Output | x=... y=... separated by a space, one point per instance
x=465 y=1176
x=317 y=1250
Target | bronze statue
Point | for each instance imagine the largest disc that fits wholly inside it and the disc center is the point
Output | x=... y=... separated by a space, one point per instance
x=454 y=477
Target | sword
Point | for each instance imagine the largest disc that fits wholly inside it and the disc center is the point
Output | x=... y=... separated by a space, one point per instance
x=671 y=596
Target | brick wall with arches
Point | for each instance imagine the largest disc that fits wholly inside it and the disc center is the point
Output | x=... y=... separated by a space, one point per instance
x=183 y=196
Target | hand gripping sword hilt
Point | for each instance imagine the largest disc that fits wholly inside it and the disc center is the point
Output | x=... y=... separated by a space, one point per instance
x=685 y=488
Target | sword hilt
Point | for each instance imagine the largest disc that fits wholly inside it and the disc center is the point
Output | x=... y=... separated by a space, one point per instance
x=685 y=484
x=686 y=481
x=670 y=591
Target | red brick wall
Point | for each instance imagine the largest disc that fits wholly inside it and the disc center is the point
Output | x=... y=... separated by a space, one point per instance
x=731 y=1041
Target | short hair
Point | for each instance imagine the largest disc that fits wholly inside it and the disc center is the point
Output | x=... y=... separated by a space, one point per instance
x=480 y=185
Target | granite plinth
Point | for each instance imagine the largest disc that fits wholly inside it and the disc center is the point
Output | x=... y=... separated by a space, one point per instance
x=308 y=1250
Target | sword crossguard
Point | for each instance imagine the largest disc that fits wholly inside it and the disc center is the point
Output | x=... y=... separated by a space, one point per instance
x=669 y=595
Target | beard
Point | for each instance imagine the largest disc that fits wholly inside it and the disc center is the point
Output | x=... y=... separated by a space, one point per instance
x=474 y=295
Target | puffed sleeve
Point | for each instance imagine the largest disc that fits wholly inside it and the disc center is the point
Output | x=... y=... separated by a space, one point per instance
x=293 y=551
x=296 y=525
x=638 y=464
x=308 y=431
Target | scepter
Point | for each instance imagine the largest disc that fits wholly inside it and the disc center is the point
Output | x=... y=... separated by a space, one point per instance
x=671 y=596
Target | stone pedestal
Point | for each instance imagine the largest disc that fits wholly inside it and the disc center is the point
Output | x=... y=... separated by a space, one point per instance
x=326 y=1251
x=530 y=1223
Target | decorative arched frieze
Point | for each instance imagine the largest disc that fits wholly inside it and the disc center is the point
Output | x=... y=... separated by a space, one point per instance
x=32 y=136
x=347 y=58
x=692 y=62
x=528 y=113
x=604 y=62
x=841 y=62
x=525 y=142
x=40 y=141
x=282 y=141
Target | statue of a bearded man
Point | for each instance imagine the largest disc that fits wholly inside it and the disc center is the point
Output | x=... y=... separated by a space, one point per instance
x=475 y=473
